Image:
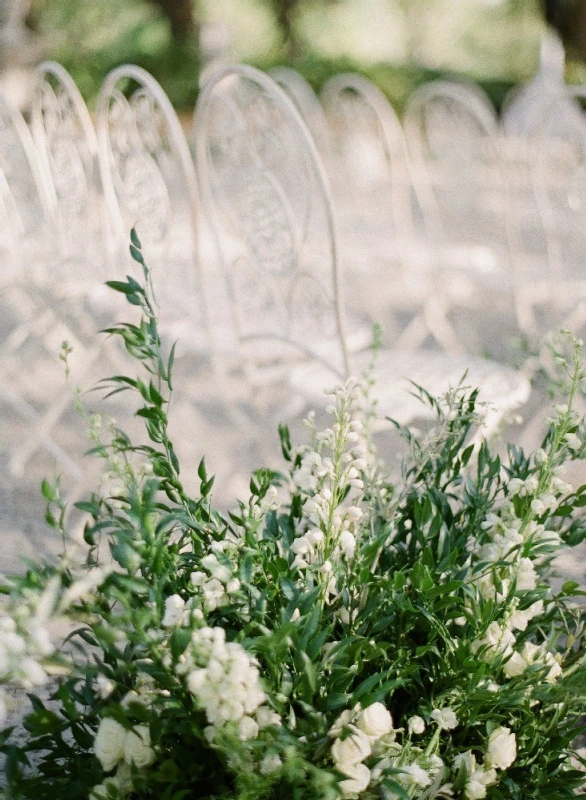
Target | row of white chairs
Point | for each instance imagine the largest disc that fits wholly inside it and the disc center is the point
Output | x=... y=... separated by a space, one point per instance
x=243 y=244
x=460 y=202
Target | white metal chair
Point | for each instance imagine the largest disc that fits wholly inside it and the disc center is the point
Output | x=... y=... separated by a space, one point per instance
x=73 y=264
x=67 y=149
x=150 y=184
x=373 y=202
x=463 y=191
x=35 y=331
x=271 y=221
x=269 y=204
x=557 y=282
x=307 y=103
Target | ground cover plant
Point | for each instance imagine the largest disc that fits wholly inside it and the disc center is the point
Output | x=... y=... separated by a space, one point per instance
x=338 y=634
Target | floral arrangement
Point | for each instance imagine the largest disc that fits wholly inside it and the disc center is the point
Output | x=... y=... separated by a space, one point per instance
x=340 y=634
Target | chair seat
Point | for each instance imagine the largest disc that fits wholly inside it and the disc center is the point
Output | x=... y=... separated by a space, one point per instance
x=501 y=387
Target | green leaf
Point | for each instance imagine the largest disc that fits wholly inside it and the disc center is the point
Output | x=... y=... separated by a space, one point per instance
x=179 y=641
x=120 y=286
x=134 y=238
x=48 y=491
x=136 y=254
x=246 y=569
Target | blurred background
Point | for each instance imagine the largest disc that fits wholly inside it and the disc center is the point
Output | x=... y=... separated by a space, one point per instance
x=398 y=44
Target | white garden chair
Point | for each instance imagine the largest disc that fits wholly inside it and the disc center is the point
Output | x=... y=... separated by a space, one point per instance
x=75 y=266
x=307 y=103
x=28 y=249
x=557 y=283
x=464 y=194
x=269 y=205
x=150 y=184
x=373 y=201
x=67 y=149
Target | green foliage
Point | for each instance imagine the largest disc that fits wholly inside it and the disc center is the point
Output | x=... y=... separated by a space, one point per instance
x=335 y=634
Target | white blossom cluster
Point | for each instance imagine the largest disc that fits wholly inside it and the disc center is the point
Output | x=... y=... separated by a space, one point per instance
x=504 y=564
x=501 y=753
x=420 y=770
x=225 y=680
x=117 y=747
x=215 y=581
x=362 y=735
x=337 y=461
x=25 y=640
x=356 y=735
x=261 y=506
x=121 y=472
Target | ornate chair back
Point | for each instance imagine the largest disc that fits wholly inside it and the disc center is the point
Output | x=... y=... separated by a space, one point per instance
x=372 y=160
x=268 y=203
x=308 y=105
x=452 y=134
x=150 y=184
x=68 y=153
x=24 y=197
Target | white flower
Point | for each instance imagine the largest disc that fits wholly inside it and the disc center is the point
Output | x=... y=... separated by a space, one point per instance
x=174 y=611
x=3 y=710
x=84 y=587
x=137 y=749
x=352 y=750
x=315 y=536
x=102 y=790
x=109 y=743
x=248 y=728
x=198 y=578
x=104 y=686
x=502 y=748
x=358 y=779
x=345 y=718
x=476 y=784
x=526 y=575
x=225 y=681
x=540 y=456
x=301 y=546
x=466 y=760
x=216 y=570
x=32 y=673
x=496 y=640
x=532 y=654
x=214 y=594
x=375 y=721
x=354 y=513
x=445 y=718
x=265 y=716
x=573 y=441
x=414 y=775
x=271 y=763
x=416 y=725
x=520 y=619
x=347 y=544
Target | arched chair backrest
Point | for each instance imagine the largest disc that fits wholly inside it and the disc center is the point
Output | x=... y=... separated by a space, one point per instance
x=68 y=154
x=150 y=183
x=558 y=172
x=25 y=196
x=450 y=120
x=453 y=139
x=268 y=202
x=308 y=105
x=370 y=145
